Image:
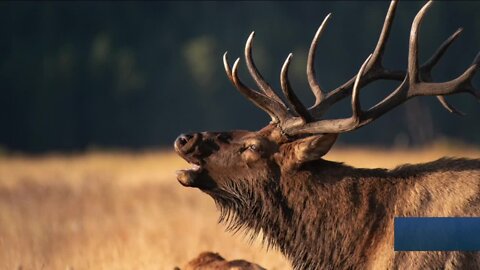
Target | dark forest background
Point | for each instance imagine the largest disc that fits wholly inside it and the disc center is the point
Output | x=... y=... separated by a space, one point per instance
x=76 y=75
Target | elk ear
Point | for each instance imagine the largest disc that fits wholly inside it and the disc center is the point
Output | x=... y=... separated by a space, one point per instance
x=313 y=147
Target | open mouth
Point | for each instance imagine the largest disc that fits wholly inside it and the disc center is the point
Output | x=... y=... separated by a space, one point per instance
x=187 y=177
x=184 y=146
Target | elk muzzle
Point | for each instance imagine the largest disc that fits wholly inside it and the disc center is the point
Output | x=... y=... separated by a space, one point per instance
x=186 y=145
x=194 y=148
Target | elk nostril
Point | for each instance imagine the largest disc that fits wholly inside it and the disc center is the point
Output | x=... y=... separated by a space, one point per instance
x=185 y=142
x=182 y=141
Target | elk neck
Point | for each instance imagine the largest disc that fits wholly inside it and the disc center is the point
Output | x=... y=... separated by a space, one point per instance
x=320 y=206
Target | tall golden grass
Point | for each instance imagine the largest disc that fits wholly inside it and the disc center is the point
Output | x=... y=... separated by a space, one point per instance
x=119 y=210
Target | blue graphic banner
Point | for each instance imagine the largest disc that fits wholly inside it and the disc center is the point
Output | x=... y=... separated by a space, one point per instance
x=437 y=233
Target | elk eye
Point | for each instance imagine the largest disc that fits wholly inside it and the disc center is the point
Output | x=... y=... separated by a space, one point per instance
x=253 y=147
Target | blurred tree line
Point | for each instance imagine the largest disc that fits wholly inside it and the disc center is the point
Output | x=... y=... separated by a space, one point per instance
x=75 y=75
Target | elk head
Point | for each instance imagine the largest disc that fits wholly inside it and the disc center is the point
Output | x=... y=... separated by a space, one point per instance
x=229 y=165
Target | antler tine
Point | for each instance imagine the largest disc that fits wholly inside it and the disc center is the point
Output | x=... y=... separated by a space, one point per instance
x=227 y=67
x=412 y=68
x=430 y=63
x=382 y=40
x=314 y=86
x=468 y=87
x=356 y=108
x=426 y=69
x=252 y=69
x=449 y=107
x=295 y=103
x=258 y=99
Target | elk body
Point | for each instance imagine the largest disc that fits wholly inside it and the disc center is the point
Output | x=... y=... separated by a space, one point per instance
x=322 y=214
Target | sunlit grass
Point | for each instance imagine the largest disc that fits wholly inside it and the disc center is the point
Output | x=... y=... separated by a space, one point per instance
x=120 y=210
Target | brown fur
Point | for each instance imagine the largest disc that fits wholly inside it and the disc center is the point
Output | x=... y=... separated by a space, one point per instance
x=327 y=215
x=213 y=261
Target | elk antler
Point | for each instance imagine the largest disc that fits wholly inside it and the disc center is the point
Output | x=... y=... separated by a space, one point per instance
x=416 y=81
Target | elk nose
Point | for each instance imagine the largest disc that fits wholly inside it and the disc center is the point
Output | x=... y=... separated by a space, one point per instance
x=185 y=142
x=183 y=139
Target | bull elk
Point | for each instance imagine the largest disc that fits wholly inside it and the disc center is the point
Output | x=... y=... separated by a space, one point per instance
x=322 y=214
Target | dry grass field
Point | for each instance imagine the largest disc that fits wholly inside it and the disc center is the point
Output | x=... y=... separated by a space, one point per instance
x=119 y=210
